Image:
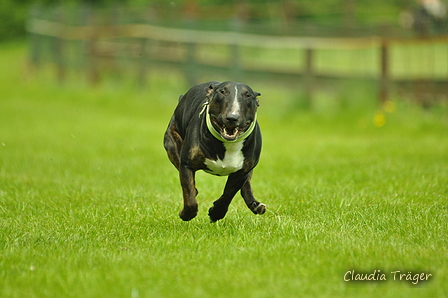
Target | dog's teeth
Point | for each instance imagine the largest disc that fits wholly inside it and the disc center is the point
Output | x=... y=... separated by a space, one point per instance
x=230 y=132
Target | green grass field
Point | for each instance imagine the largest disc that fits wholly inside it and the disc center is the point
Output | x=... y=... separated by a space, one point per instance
x=89 y=200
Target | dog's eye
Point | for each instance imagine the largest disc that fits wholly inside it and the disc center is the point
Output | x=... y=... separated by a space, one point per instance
x=248 y=95
x=222 y=91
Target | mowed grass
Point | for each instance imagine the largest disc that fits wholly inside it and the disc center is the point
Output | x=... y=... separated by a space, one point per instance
x=89 y=200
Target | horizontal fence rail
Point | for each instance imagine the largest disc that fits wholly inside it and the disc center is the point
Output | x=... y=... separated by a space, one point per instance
x=303 y=59
x=67 y=32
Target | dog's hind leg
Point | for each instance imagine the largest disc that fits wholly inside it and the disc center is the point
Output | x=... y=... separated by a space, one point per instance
x=189 y=191
x=248 y=195
x=172 y=142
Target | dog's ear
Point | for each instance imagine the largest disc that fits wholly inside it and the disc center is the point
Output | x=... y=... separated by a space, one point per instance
x=211 y=88
x=256 y=95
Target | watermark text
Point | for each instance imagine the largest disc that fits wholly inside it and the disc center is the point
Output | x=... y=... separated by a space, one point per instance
x=380 y=276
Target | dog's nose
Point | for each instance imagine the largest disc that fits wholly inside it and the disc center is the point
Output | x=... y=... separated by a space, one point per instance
x=232 y=118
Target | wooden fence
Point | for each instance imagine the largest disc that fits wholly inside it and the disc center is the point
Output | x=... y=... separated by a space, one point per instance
x=304 y=60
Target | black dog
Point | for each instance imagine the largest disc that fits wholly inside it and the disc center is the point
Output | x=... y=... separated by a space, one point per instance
x=214 y=128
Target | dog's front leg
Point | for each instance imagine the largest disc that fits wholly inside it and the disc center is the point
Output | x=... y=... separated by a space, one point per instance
x=234 y=183
x=248 y=196
x=187 y=181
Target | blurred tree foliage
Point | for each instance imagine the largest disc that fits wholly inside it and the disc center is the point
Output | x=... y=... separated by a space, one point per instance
x=13 y=13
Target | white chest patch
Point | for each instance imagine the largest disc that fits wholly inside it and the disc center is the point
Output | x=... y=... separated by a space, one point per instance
x=233 y=160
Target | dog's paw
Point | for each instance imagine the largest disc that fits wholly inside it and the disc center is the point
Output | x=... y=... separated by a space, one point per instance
x=216 y=214
x=188 y=213
x=260 y=209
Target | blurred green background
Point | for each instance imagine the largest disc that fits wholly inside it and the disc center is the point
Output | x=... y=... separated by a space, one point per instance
x=331 y=16
x=351 y=180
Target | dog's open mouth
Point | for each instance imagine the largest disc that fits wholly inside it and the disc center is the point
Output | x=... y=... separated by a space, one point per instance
x=229 y=133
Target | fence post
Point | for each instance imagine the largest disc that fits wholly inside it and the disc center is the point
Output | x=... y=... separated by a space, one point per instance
x=309 y=76
x=58 y=48
x=35 y=40
x=190 y=12
x=235 y=64
x=87 y=17
x=384 y=79
x=143 y=69
x=191 y=65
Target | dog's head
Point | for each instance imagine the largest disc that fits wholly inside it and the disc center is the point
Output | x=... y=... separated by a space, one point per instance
x=232 y=108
